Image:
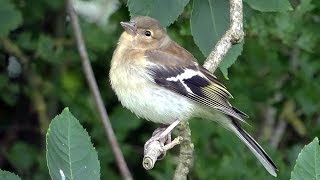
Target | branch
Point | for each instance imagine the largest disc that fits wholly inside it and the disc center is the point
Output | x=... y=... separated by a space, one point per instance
x=278 y=133
x=269 y=118
x=232 y=36
x=155 y=149
x=12 y=48
x=96 y=94
x=186 y=152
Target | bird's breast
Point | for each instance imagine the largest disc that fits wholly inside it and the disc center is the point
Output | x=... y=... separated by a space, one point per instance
x=138 y=93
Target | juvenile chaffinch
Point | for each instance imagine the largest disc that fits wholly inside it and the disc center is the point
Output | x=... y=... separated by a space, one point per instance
x=162 y=82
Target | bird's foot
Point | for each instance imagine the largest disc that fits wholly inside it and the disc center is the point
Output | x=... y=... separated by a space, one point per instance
x=163 y=135
x=163 y=139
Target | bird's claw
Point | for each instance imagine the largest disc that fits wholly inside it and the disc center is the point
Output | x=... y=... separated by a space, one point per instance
x=157 y=135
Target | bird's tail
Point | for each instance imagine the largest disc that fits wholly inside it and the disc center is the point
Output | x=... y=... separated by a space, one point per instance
x=253 y=146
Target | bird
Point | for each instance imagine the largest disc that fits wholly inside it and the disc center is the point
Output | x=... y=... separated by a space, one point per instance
x=160 y=81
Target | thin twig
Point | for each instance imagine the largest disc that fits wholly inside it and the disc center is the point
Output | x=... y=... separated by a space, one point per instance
x=278 y=133
x=156 y=149
x=12 y=48
x=232 y=36
x=269 y=118
x=96 y=94
x=173 y=143
x=186 y=152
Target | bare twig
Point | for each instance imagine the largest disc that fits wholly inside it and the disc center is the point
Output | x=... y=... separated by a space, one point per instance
x=232 y=36
x=175 y=142
x=155 y=149
x=186 y=152
x=278 y=133
x=96 y=93
x=12 y=48
x=269 y=118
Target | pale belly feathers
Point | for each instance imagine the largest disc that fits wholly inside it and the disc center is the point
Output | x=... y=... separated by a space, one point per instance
x=151 y=102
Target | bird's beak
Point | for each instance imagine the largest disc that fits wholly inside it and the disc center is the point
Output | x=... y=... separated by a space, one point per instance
x=130 y=27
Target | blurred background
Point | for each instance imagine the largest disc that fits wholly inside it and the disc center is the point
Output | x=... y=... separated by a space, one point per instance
x=275 y=81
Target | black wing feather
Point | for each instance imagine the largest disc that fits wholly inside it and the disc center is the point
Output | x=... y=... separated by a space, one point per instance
x=203 y=87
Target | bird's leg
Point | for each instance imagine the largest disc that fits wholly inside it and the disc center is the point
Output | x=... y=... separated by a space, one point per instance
x=163 y=135
x=169 y=129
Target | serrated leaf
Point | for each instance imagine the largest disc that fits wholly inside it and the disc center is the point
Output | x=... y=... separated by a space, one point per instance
x=70 y=153
x=10 y=18
x=209 y=21
x=308 y=162
x=270 y=6
x=230 y=58
x=166 y=11
x=5 y=175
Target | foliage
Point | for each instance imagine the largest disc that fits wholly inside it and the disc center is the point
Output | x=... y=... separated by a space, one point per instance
x=156 y=8
x=70 y=153
x=270 y=6
x=5 y=175
x=10 y=17
x=277 y=72
x=308 y=162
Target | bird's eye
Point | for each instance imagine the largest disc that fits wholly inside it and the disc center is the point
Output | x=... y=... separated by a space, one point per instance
x=147 y=33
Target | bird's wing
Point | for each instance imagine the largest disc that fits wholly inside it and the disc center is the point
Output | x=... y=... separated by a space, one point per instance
x=187 y=78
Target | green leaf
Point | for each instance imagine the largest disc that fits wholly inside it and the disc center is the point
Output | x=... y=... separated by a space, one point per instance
x=230 y=58
x=209 y=21
x=270 y=6
x=10 y=18
x=166 y=11
x=70 y=153
x=308 y=162
x=5 y=175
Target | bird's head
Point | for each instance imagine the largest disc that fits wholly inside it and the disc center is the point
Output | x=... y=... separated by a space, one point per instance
x=143 y=32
